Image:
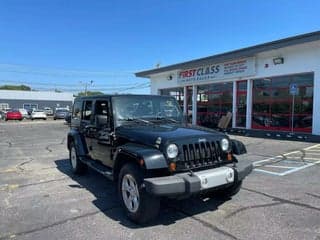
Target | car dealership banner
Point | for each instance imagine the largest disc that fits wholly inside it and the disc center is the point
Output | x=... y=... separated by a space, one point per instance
x=238 y=68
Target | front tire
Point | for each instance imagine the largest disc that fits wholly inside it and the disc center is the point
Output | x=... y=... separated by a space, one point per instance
x=140 y=207
x=77 y=166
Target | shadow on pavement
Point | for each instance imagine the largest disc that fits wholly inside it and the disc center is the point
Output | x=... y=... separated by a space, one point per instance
x=107 y=199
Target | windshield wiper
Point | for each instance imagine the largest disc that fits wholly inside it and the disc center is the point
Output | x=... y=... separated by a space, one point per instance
x=170 y=119
x=134 y=120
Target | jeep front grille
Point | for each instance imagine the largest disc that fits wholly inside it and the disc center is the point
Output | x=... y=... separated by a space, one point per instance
x=199 y=155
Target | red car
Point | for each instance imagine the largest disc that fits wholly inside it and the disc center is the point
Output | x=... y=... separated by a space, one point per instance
x=13 y=115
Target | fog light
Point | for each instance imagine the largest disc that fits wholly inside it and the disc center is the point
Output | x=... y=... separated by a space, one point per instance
x=230 y=176
x=172 y=166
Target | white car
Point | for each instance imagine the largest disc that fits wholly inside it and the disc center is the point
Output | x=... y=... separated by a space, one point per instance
x=48 y=111
x=24 y=112
x=38 y=114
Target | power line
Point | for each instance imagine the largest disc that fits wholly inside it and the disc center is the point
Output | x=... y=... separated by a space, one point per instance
x=100 y=90
x=70 y=85
x=54 y=72
x=79 y=74
x=114 y=89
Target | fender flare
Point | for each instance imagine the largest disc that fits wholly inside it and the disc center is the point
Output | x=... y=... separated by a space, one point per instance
x=153 y=158
x=79 y=142
x=238 y=147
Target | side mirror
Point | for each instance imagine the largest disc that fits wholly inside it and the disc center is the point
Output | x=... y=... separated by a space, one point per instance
x=238 y=147
x=102 y=121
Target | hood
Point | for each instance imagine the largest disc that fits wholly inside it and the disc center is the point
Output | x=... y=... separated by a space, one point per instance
x=161 y=134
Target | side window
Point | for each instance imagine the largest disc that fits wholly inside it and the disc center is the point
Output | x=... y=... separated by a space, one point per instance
x=87 y=110
x=101 y=107
x=76 y=113
x=102 y=113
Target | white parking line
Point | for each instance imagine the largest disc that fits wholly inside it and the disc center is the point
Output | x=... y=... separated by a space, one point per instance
x=288 y=159
x=264 y=171
x=275 y=166
x=298 y=168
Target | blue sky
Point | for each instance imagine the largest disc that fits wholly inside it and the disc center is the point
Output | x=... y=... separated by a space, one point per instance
x=64 y=44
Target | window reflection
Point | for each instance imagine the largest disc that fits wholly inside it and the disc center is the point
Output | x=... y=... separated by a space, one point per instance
x=213 y=101
x=272 y=103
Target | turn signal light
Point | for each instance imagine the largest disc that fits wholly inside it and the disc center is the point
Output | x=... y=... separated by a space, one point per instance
x=172 y=166
x=141 y=162
x=229 y=157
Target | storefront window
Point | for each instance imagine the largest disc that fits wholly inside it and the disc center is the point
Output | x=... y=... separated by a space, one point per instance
x=213 y=101
x=272 y=103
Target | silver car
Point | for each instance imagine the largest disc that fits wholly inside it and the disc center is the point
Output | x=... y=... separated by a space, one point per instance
x=60 y=114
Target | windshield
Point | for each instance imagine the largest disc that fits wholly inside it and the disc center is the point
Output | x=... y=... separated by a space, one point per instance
x=146 y=108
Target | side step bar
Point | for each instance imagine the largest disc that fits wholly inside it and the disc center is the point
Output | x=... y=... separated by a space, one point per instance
x=99 y=167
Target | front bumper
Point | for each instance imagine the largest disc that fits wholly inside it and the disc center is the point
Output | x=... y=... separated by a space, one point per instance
x=59 y=116
x=187 y=184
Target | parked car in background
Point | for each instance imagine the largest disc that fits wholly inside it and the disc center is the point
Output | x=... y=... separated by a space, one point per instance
x=38 y=114
x=2 y=115
x=13 y=115
x=68 y=118
x=24 y=113
x=60 y=114
x=48 y=111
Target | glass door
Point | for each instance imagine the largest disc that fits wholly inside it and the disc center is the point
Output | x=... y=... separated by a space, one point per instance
x=241 y=111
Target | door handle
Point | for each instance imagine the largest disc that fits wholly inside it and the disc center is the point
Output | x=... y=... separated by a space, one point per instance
x=90 y=127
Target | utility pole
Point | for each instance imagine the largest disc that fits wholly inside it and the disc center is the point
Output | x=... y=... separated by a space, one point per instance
x=86 y=87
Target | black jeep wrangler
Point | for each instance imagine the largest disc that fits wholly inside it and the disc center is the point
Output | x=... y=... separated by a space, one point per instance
x=144 y=144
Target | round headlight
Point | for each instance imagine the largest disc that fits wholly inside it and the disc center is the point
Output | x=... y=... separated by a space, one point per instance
x=224 y=143
x=172 y=151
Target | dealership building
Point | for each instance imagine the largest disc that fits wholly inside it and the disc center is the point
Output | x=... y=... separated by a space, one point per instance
x=34 y=99
x=272 y=86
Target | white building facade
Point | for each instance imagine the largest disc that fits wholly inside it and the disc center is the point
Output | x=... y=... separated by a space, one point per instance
x=34 y=99
x=273 y=86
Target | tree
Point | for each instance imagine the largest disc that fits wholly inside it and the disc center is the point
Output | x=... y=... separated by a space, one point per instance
x=15 y=87
x=89 y=93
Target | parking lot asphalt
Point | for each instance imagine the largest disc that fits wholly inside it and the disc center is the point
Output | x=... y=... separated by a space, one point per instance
x=41 y=199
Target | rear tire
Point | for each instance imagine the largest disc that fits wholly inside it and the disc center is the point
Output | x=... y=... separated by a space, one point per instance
x=140 y=207
x=77 y=166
